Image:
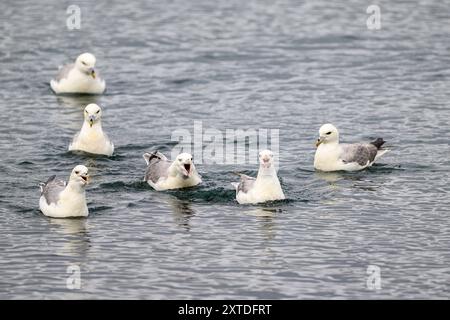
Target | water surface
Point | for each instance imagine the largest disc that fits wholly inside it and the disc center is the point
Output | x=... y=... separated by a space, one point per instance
x=287 y=65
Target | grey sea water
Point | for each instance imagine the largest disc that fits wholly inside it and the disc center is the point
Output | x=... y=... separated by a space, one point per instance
x=287 y=65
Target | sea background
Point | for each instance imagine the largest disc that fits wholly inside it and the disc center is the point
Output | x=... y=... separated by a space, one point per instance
x=277 y=65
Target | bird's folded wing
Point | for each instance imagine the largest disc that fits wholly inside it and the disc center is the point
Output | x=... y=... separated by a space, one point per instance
x=157 y=168
x=51 y=189
x=63 y=72
x=107 y=138
x=246 y=183
x=361 y=153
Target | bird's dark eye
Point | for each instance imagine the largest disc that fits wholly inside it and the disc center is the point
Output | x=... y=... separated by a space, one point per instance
x=329 y=132
x=98 y=111
x=77 y=172
x=179 y=160
x=191 y=159
x=83 y=62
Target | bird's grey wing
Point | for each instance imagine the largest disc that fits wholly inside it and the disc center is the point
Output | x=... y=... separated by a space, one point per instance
x=246 y=183
x=156 y=169
x=75 y=137
x=107 y=138
x=98 y=75
x=51 y=189
x=360 y=153
x=149 y=156
x=64 y=71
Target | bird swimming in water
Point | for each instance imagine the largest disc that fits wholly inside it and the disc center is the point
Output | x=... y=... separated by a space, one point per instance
x=79 y=77
x=91 y=137
x=333 y=156
x=266 y=186
x=60 y=199
x=162 y=174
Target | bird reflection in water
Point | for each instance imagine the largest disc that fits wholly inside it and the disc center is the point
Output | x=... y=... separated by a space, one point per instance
x=266 y=219
x=182 y=212
x=359 y=179
x=73 y=239
x=76 y=101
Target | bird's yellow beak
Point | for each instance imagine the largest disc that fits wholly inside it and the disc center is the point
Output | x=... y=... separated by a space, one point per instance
x=93 y=74
x=319 y=141
x=86 y=178
x=91 y=120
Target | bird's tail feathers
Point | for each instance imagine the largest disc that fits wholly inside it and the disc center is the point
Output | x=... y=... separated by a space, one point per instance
x=43 y=184
x=235 y=185
x=378 y=143
x=381 y=153
x=149 y=156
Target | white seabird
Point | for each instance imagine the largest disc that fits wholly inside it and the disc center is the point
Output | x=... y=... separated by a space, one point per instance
x=79 y=77
x=91 y=137
x=162 y=174
x=63 y=200
x=333 y=156
x=266 y=186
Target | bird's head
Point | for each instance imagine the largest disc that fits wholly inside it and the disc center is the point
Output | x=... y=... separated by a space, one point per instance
x=79 y=176
x=185 y=165
x=86 y=63
x=266 y=159
x=92 y=114
x=327 y=134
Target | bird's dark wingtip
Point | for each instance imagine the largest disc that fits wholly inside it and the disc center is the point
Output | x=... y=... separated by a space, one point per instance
x=378 y=142
x=51 y=179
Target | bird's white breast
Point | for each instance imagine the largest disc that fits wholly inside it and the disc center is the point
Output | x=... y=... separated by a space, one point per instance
x=93 y=141
x=78 y=82
x=70 y=204
x=176 y=182
x=326 y=157
x=266 y=188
